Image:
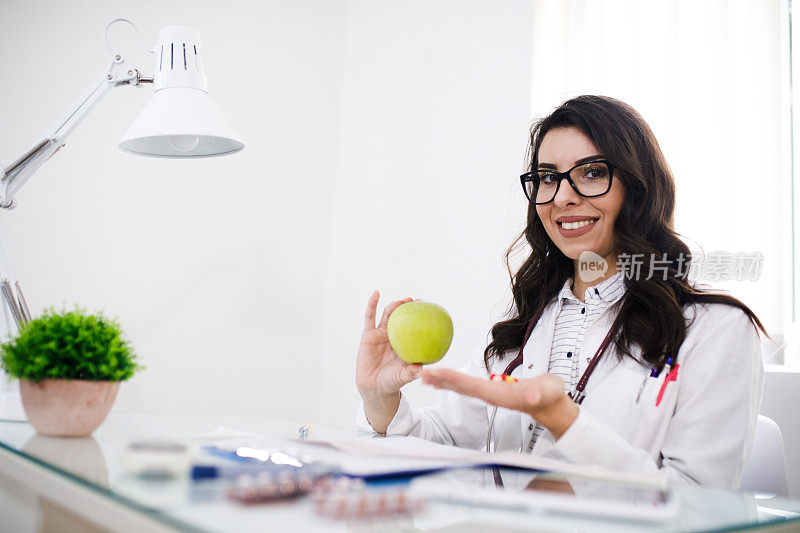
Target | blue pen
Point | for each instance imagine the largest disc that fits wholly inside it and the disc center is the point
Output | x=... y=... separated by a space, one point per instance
x=653 y=374
x=238 y=464
x=668 y=366
x=233 y=470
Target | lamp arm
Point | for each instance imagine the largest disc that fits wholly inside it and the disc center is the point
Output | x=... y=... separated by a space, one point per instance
x=13 y=177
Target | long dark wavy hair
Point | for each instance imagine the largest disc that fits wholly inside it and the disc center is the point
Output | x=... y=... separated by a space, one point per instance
x=650 y=315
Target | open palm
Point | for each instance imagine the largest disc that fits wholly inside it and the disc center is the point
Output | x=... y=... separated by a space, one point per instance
x=541 y=397
x=526 y=395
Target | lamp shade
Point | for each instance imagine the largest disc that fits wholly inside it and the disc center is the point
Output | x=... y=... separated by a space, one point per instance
x=181 y=119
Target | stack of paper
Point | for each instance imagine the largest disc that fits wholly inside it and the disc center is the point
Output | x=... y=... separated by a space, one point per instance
x=375 y=457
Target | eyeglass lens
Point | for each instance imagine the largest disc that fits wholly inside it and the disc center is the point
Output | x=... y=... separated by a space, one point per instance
x=591 y=179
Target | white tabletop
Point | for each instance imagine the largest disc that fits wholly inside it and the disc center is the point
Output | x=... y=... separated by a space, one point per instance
x=77 y=473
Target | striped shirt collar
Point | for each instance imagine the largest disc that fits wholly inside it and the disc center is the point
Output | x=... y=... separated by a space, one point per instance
x=608 y=291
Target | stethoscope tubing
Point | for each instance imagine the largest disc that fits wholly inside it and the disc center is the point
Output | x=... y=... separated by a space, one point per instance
x=576 y=395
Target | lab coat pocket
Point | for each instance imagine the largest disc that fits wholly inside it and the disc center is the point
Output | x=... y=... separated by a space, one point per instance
x=653 y=416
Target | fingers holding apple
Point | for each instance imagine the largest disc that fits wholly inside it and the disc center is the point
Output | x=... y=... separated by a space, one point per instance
x=409 y=372
x=372 y=310
x=375 y=339
x=411 y=333
x=378 y=369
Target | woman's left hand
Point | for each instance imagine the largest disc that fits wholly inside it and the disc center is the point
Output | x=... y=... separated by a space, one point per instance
x=541 y=397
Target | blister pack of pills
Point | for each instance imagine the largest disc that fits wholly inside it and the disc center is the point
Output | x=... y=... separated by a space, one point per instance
x=271 y=486
x=352 y=499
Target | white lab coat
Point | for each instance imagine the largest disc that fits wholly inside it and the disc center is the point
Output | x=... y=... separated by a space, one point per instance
x=701 y=432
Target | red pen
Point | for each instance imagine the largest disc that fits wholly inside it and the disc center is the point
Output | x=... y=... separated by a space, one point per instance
x=672 y=376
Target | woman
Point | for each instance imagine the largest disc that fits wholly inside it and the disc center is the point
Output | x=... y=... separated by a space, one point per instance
x=633 y=369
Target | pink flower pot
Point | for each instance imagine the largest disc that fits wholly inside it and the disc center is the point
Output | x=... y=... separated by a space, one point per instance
x=67 y=407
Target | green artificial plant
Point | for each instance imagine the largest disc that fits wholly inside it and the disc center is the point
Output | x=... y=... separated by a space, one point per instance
x=69 y=345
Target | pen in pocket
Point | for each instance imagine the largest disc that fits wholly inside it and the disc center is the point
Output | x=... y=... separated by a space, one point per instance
x=671 y=376
x=653 y=374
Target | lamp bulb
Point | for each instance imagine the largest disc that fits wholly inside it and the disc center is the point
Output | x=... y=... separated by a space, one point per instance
x=184 y=143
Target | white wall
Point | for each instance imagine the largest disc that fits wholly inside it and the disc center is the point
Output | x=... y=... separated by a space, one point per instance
x=426 y=198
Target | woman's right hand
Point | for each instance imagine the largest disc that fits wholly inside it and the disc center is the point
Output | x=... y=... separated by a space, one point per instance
x=380 y=373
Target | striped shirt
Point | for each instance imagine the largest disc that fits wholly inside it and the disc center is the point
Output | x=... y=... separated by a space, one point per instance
x=572 y=322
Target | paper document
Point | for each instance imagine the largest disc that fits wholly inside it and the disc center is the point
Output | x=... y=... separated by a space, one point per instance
x=416 y=448
x=372 y=457
x=408 y=448
x=366 y=457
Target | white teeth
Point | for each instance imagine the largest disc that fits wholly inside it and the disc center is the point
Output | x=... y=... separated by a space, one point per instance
x=576 y=225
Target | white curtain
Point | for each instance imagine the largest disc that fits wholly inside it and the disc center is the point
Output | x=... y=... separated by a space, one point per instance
x=711 y=79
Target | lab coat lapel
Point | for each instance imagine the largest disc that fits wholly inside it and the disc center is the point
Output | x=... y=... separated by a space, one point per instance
x=536 y=356
x=592 y=340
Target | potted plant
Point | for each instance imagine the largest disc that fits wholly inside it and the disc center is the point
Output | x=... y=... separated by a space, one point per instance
x=69 y=365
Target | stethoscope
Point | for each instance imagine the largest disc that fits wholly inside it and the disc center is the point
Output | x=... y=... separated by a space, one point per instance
x=577 y=395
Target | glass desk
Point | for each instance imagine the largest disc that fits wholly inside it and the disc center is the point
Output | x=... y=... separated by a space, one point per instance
x=46 y=483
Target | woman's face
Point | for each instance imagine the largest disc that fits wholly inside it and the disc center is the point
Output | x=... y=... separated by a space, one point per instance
x=561 y=149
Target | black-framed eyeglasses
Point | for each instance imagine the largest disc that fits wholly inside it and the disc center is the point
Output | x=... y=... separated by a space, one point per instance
x=589 y=180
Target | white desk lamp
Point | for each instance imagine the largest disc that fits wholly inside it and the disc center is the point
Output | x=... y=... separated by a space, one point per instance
x=180 y=120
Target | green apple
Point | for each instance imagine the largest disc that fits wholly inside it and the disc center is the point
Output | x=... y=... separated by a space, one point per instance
x=420 y=332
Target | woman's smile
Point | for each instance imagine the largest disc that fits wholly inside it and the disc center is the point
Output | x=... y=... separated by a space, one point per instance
x=575 y=226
